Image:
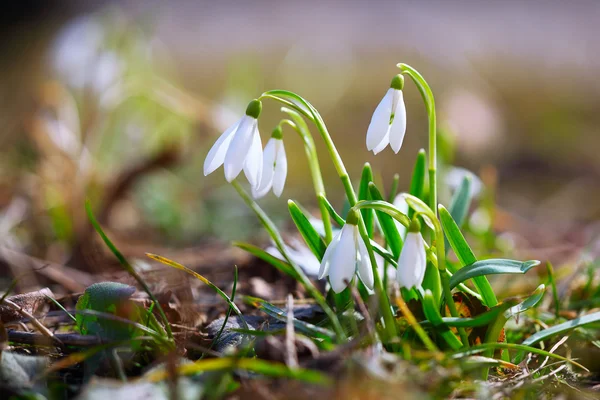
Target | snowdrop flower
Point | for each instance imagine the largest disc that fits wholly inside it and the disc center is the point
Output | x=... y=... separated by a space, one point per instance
x=412 y=262
x=345 y=255
x=388 y=123
x=239 y=147
x=274 y=169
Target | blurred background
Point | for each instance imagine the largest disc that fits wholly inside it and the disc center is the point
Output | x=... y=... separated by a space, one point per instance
x=120 y=102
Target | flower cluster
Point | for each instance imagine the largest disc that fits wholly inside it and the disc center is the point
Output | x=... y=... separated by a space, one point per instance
x=240 y=148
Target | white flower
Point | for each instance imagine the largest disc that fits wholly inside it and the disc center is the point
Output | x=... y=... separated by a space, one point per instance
x=388 y=124
x=274 y=170
x=300 y=254
x=239 y=147
x=412 y=262
x=345 y=255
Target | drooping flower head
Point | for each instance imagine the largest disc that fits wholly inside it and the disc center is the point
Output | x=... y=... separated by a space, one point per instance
x=345 y=256
x=388 y=124
x=239 y=147
x=413 y=260
x=274 y=170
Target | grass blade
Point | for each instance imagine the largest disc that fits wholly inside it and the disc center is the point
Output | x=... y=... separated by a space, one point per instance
x=208 y=283
x=281 y=265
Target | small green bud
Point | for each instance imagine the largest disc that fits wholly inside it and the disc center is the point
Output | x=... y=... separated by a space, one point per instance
x=397 y=82
x=352 y=217
x=254 y=108
x=415 y=226
x=277 y=133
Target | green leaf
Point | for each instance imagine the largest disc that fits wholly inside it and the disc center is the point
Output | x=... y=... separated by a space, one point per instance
x=460 y=203
x=363 y=194
x=480 y=320
x=309 y=234
x=562 y=328
x=279 y=314
x=104 y=297
x=434 y=317
x=336 y=217
x=417 y=183
x=528 y=303
x=465 y=255
x=491 y=267
x=390 y=231
x=269 y=258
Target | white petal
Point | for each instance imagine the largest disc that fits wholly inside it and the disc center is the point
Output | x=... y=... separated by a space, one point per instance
x=398 y=128
x=253 y=165
x=266 y=180
x=239 y=148
x=280 y=172
x=380 y=122
x=381 y=146
x=401 y=204
x=365 y=271
x=343 y=260
x=217 y=152
x=326 y=261
x=412 y=262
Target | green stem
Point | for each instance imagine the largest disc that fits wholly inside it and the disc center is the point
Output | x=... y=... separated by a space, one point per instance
x=313 y=164
x=274 y=233
x=427 y=95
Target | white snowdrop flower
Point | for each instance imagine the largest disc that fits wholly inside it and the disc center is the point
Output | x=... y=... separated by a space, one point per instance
x=346 y=255
x=388 y=124
x=239 y=147
x=274 y=170
x=412 y=262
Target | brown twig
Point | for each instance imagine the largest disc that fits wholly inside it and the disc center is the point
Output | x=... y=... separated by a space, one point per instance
x=291 y=357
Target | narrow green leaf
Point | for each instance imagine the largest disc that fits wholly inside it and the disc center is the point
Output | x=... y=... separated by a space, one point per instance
x=528 y=303
x=433 y=315
x=417 y=183
x=465 y=255
x=482 y=319
x=390 y=231
x=336 y=217
x=491 y=267
x=126 y=265
x=460 y=203
x=562 y=328
x=363 y=194
x=309 y=234
x=385 y=207
x=394 y=188
x=511 y=346
x=269 y=258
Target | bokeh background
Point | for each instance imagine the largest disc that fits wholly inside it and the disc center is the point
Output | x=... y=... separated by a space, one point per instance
x=120 y=102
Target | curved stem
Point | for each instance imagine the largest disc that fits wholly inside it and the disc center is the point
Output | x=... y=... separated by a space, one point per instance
x=313 y=164
x=427 y=95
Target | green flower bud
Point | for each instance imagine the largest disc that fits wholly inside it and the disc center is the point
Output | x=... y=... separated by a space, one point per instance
x=415 y=225
x=352 y=218
x=277 y=133
x=397 y=82
x=254 y=108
